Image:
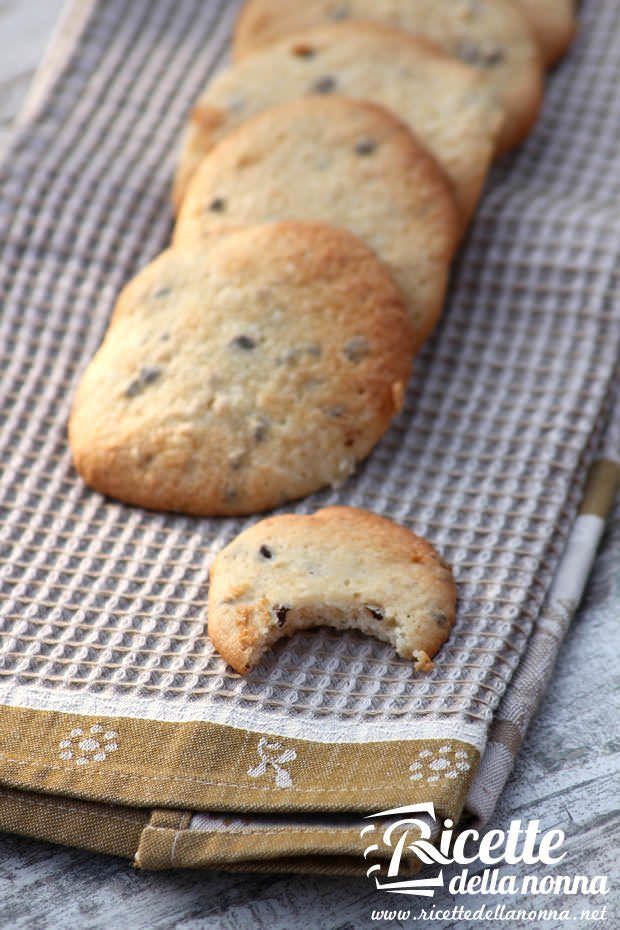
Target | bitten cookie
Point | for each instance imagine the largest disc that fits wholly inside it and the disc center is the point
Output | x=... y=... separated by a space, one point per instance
x=554 y=24
x=448 y=105
x=341 y=567
x=344 y=162
x=244 y=375
x=492 y=35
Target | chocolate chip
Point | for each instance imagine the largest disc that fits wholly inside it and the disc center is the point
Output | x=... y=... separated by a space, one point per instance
x=494 y=57
x=261 y=429
x=303 y=50
x=150 y=373
x=339 y=12
x=468 y=51
x=440 y=618
x=161 y=292
x=376 y=612
x=474 y=54
x=324 y=85
x=147 y=375
x=356 y=349
x=243 y=342
x=133 y=388
x=266 y=552
x=280 y=613
x=217 y=205
x=366 y=147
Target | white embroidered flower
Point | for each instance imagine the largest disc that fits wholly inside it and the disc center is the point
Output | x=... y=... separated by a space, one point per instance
x=91 y=745
x=438 y=764
x=271 y=756
x=434 y=766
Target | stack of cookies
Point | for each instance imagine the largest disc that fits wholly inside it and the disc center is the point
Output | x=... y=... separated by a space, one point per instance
x=325 y=181
x=324 y=184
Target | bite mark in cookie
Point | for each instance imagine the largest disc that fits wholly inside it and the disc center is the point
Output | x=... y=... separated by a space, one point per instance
x=342 y=567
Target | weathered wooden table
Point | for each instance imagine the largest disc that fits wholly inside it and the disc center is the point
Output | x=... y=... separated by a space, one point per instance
x=567 y=774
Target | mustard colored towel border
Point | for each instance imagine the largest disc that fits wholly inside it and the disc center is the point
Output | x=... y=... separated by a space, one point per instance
x=206 y=766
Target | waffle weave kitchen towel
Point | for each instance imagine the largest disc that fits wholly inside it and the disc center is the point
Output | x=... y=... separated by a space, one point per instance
x=120 y=729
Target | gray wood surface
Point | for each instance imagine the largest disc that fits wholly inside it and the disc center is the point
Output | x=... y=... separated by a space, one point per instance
x=567 y=773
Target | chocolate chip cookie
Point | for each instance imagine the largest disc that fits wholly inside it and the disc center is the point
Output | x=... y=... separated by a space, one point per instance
x=342 y=567
x=492 y=35
x=340 y=161
x=448 y=105
x=241 y=376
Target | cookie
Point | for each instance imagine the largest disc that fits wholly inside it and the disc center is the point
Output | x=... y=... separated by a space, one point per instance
x=448 y=105
x=554 y=24
x=244 y=375
x=343 y=162
x=492 y=35
x=341 y=567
